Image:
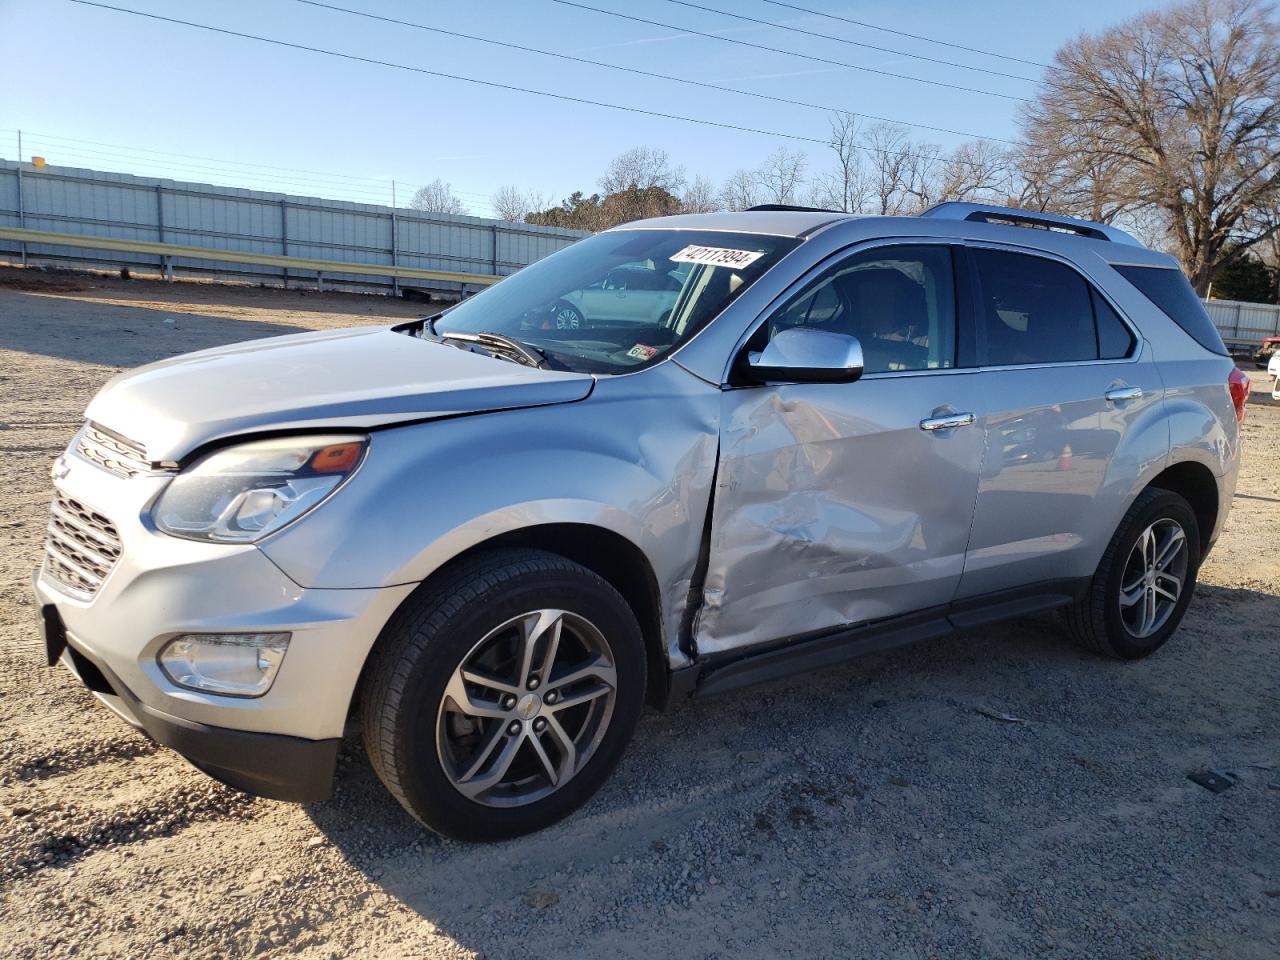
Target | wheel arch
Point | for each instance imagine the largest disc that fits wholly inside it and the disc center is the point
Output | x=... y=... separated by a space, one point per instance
x=616 y=559
x=1197 y=484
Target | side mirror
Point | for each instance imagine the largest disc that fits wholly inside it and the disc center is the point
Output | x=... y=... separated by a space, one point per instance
x=802 y=355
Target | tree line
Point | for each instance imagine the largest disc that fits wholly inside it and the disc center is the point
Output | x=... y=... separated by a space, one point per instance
x=1167 y=124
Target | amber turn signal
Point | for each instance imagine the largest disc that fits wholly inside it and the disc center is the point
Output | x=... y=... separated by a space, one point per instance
x=338 y=458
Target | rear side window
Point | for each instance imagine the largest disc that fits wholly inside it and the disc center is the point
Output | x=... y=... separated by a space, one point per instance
x=1169 y=290
x=1114 y=339
x=1033 y=310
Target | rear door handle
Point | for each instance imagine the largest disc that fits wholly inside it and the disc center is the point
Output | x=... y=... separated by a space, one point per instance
x=1120 y=394
x=949 y=422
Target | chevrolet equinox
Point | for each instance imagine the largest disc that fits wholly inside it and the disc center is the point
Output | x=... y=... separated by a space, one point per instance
x=491 y=536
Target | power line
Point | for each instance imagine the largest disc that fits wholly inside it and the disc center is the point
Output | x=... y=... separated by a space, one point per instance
x=789 y=53
x=853 y=43
x=638 y=72
x=310 y=174
x=486 y=83
x=98 y=156
x=903 y=33
x=371 y=185
x=449 y=76
x=379 y=193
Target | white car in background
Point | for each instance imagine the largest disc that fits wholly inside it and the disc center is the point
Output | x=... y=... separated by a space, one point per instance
x=1273 y=371
x=632 y=293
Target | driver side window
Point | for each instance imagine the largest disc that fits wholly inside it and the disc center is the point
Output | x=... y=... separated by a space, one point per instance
x=899 y=302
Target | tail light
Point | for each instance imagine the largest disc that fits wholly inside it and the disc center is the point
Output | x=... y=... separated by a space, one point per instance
x=1238 y=386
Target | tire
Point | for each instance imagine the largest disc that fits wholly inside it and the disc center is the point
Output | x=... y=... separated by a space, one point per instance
x=422 y=740
x=565 y=316
x=1098 y=621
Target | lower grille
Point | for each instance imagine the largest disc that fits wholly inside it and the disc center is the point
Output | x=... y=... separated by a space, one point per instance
x=81 y=548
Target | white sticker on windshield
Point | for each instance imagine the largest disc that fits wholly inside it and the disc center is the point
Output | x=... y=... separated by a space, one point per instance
x=716 y=256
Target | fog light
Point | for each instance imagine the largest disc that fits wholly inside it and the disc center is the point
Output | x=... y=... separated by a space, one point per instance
x=230 y=664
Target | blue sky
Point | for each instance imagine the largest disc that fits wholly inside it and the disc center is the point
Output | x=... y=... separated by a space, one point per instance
x=95 y=88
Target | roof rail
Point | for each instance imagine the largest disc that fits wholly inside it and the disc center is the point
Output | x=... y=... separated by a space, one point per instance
x=774 y=207
x=1011 y=216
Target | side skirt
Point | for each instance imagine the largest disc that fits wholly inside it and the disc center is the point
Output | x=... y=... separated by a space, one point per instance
x=829 y=648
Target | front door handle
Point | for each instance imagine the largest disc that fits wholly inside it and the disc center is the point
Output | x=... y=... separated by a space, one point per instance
x=948 y=422
x=1120 y=394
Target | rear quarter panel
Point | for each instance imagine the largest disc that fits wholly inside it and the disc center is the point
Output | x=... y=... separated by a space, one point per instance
x=1198 y=411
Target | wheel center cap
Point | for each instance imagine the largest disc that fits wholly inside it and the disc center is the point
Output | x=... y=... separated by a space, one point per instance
x=528 y=705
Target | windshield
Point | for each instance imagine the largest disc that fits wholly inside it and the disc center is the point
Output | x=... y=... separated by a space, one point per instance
x=621 y=300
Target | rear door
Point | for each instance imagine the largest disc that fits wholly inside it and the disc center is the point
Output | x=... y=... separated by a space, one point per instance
x=1066 y=381
x=843 y=503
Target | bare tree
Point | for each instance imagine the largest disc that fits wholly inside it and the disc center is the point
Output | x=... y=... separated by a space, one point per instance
x=975 y=171
x=700 y=197
x=741 y=191
x=642 y=168
x=847 y=187
x=437 y=197
x=889 y=151
x=782 y=176
x=922 y=185
x=514 y=205
x=1177 y=109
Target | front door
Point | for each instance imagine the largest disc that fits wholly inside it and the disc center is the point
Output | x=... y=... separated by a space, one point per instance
x=840 y=504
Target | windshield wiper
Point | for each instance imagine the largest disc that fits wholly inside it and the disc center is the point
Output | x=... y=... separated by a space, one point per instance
x=499 y=343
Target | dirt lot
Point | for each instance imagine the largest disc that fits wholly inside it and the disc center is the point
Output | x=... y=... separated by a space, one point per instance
x=871 y=811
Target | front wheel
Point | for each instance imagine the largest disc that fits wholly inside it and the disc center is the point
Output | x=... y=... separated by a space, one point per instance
x=565 y=316
x=1144 y=583
x=503 y=694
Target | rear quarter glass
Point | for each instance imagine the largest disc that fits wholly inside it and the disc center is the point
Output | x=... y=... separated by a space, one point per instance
x=1169 y=290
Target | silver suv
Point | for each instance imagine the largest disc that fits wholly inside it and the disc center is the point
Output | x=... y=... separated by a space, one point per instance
x=491 y=536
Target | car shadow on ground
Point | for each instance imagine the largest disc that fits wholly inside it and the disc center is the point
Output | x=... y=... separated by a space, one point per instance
x=231 y=295
x=932 y=783
x=118 y=336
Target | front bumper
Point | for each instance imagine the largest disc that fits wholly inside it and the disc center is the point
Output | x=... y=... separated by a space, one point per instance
x=281 y=744
x=268 y=765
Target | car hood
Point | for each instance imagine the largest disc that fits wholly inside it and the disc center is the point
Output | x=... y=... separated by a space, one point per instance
x=355 y=378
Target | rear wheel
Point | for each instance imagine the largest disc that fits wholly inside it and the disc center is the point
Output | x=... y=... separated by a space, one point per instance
x=504 y=694
x=1145 y=581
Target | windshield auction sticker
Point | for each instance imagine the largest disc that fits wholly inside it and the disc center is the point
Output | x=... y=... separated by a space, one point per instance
x=716 y=256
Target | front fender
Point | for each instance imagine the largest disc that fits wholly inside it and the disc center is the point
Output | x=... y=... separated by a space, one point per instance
x=636 y=458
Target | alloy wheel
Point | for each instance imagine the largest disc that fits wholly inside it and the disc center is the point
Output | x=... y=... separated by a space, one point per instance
x=526 y=708
x=1154 y=577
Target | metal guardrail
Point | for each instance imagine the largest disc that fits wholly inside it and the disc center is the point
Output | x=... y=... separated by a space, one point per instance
x=173 y=250
x=230 y=232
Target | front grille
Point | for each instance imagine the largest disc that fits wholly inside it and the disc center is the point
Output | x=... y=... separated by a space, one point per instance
x=116 y=454
x=81 y=547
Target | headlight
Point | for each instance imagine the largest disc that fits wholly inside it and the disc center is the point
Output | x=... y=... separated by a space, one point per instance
x=242 y=493
x=231 y=664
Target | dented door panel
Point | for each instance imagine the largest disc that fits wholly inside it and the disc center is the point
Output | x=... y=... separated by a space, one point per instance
x=833 y=507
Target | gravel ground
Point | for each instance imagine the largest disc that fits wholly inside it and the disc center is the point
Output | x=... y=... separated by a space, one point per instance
x=868 y=811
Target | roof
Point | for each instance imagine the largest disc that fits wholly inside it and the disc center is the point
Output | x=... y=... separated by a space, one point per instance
x=777 y=223
x=964 y=221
